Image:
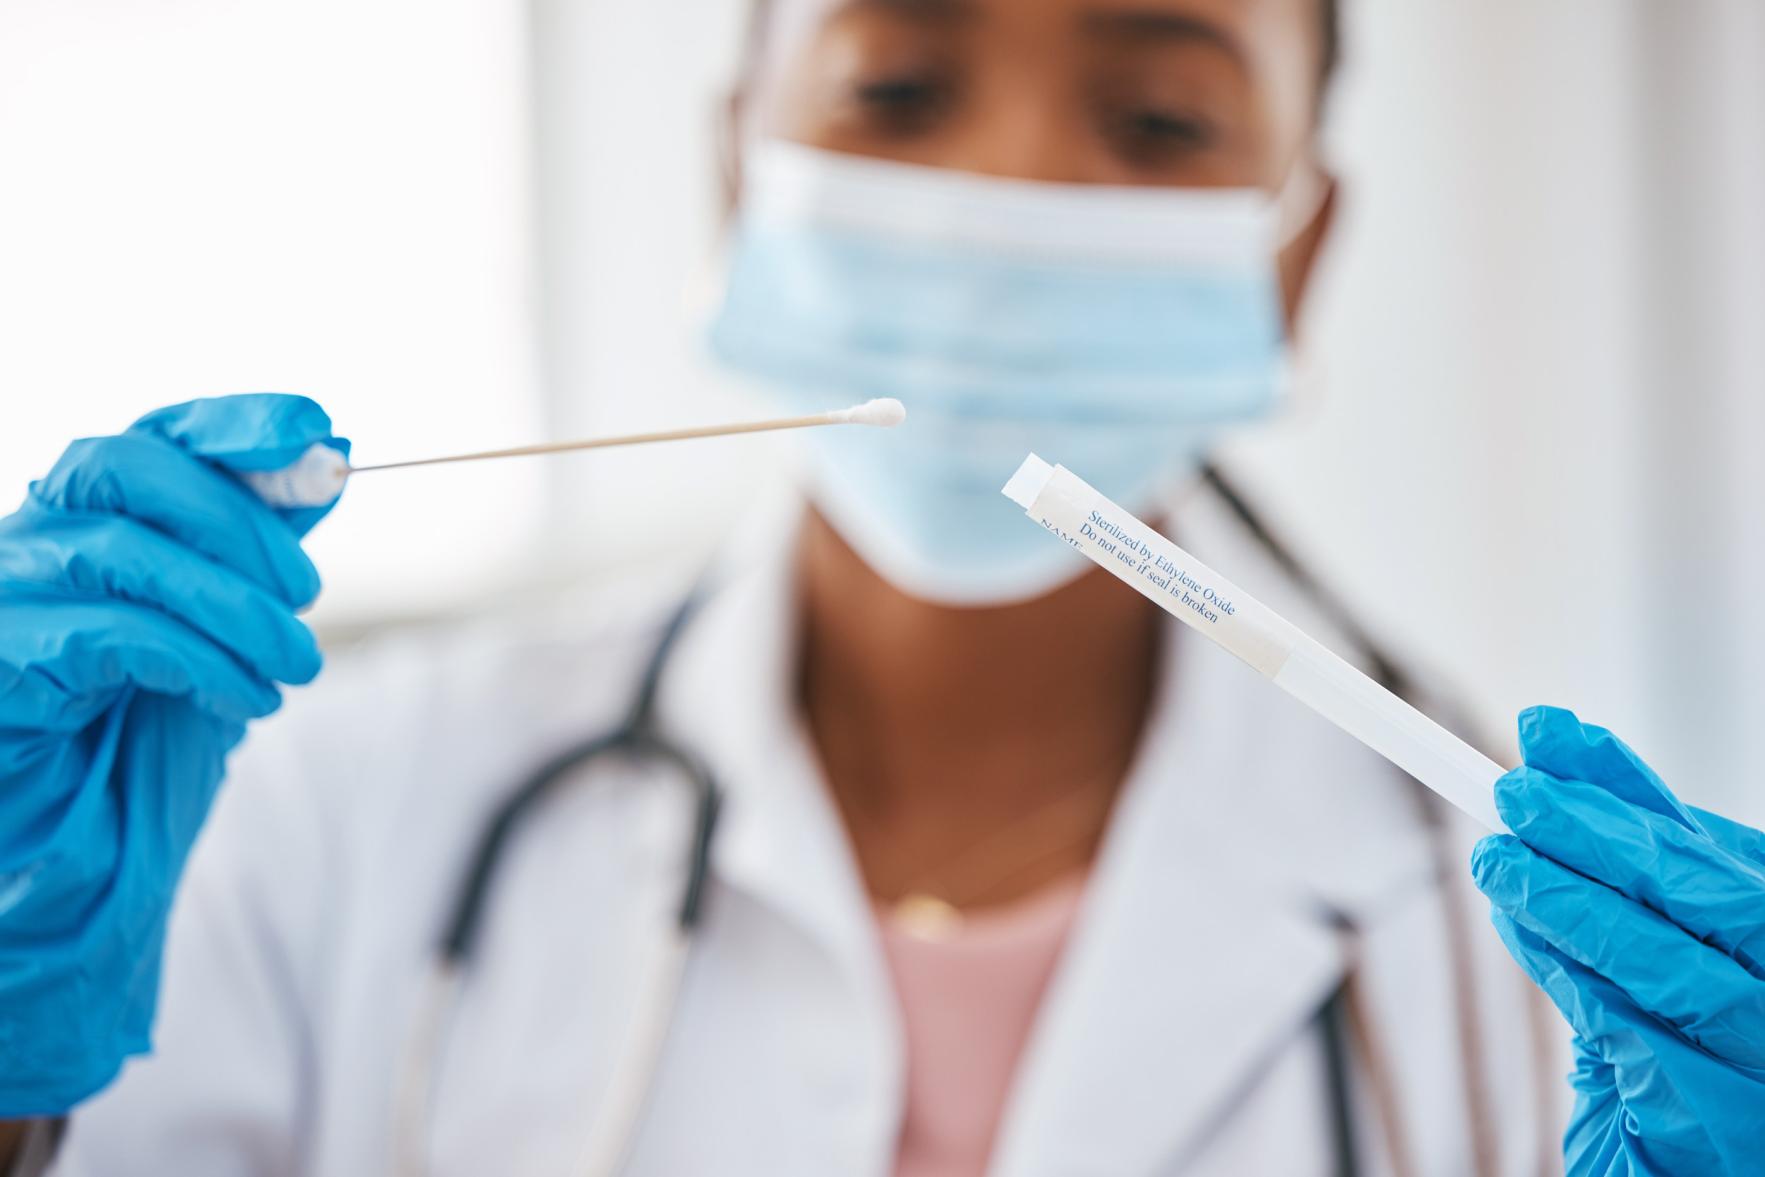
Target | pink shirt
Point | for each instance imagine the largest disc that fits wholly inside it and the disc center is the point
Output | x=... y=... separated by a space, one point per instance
x=968 y=999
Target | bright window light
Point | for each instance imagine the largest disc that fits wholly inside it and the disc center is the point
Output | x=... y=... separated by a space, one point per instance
x=331 y=197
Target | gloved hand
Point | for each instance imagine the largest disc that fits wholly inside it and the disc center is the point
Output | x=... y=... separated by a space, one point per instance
x=1644 y=920
x=147 y=603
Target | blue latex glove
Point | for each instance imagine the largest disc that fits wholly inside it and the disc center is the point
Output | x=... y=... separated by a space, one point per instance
x=1644 y=920
x=147 y=603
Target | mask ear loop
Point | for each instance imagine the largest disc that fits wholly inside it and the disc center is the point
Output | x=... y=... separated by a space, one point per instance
x=1297 y=205
x=1299 y=201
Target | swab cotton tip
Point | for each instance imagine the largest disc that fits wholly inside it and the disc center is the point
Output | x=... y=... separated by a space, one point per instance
x=885 y=411
x=314 y=479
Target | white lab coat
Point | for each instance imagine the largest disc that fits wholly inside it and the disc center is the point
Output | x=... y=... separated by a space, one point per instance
x=1175 y=1037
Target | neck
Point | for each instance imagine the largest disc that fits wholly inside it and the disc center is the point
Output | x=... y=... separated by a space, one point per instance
x=943 y=730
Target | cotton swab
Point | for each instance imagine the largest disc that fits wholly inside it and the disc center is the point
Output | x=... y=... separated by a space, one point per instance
x=885 y=412
x=318 y=476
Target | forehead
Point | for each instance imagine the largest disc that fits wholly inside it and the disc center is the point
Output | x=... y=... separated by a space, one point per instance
x=1271 y=39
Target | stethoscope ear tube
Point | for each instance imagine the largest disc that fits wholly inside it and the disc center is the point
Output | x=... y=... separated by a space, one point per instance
x=616 y=1123
x=708 y=808
x=637 y=735
x=460 y=933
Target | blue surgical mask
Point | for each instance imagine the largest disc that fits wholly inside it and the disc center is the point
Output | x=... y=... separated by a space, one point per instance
x=1113 y=330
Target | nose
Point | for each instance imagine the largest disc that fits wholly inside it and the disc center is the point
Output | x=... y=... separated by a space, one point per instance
x=1021 y=150
x=1016 y=130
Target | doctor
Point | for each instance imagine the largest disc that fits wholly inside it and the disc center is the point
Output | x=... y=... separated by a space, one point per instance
x=1009 y=877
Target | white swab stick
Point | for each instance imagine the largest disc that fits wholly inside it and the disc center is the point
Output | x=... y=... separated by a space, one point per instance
x=1299 y=664
x=317 y=477
x=885 y=412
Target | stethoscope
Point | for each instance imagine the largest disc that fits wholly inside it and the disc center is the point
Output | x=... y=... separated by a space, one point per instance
x=637 y=737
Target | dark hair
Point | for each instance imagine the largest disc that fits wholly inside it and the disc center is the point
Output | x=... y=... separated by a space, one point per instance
x=1329 y=41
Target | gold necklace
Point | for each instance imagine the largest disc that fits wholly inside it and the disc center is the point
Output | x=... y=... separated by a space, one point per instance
x=931 y=906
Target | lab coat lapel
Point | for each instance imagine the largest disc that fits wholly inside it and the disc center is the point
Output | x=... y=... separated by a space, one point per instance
x=780 y=840
x=781 y=848
x=1209 y=938
x=1191 y=964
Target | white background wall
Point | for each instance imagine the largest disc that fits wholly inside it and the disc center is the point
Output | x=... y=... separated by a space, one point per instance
x=1530 y=453
x=1543 y=364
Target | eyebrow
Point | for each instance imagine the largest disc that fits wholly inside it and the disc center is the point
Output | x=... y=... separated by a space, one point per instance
x=927 y=10
x=1141 y=25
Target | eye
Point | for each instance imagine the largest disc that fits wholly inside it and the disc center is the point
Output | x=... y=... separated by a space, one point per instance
x=1151 y=135
x=904 y=103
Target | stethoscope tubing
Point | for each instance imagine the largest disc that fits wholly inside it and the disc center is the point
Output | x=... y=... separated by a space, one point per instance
x=613 y=1126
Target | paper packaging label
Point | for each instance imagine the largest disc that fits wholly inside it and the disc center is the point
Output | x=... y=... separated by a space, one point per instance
x=1155 y=567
